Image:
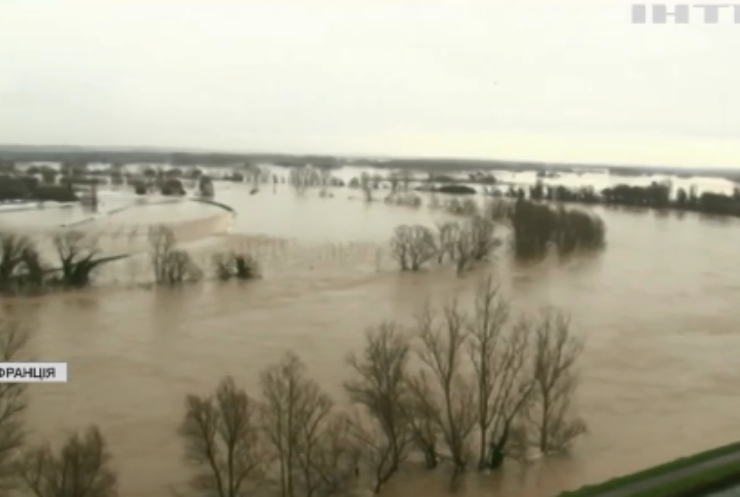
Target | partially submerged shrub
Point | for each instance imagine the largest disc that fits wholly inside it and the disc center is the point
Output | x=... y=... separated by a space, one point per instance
x=172 y=266
x=404 y=199
x=413 y=246
x=79 y=257
x=81 y=468
x=498 y=209
x=539 y=227
x=466 y=243
x=467 y=207
x=228 y=265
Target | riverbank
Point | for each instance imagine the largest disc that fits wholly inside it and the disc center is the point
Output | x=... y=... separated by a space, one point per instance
x=692 y=476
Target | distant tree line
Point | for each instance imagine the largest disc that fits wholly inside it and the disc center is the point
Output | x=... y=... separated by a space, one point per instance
x=29 y=188
x=655 y=195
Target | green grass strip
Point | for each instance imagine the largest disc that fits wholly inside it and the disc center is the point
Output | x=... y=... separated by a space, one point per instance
x=698 y=485
x=669 y=467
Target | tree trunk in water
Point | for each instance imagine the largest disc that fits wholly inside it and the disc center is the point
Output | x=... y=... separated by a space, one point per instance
x=496 y=454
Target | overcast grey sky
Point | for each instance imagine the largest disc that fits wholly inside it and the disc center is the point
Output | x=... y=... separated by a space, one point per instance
x=529 y=79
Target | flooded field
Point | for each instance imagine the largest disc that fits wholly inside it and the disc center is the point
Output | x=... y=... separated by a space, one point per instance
x=659 y=309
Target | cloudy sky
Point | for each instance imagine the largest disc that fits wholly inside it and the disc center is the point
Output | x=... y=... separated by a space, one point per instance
x=566 y=80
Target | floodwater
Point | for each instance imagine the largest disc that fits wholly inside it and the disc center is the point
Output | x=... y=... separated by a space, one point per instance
x=659 y=309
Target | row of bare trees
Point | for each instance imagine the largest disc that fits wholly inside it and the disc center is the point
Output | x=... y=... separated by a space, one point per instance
x=464 y=243
x=25 y=271
x=536 y=228
x=463 y=387
x=302 y=178
x=173 y=266
x=457 y=388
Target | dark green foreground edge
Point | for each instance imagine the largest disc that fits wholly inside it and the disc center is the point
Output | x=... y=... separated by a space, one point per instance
x=692 y=476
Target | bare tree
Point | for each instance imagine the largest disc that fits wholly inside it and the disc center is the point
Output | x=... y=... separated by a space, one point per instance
x=325 y=181
x=80 y=469
x=222 y=441
x=498 y=209
x=79 y=256
x=486 y=330
x=406 y=178
x=377 y=179
x=555 y=355
x=501 y=361
x=231 y=264
x=413 y=246
x=482 y=240
x=336 y=460
x=514 y=390
x=366 y=184
x=297 y=418
x=300 y=178
x=448 y=234
x=12 y=247
x=394 y=178
x=171 y=265
x=13 y=338
x=442 y=351
x=379 y=388
x=21 y=266
x=463 y=251
x=423 y=419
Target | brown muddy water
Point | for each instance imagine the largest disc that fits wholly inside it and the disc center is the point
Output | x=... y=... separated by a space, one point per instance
x=659 y=309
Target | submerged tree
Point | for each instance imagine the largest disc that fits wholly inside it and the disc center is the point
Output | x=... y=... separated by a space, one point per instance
x=222 y=441
x=231 y=264
x=482 y=237
x=413 y=246
x=13 y=338
x=448 y=234
x=453 y=402
x=313 y=458
x=172 y=266
x=21 y=266
x=79 y=256
x=501 y=360
x=80 y=469
x=537 y=228
x=366 y=184
x=379 y=389
x=556 y=351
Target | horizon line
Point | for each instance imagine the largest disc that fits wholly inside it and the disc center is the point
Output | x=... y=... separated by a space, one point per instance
x=171 y=150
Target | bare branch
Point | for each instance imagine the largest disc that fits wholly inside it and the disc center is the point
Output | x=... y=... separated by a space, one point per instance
x=442 y=352
x=380 y=389
x=413 y=246
x=297 y=419
x=82 y=468
x=14 y=336
x=222 y=441
x=172 y=266
x=556 y=352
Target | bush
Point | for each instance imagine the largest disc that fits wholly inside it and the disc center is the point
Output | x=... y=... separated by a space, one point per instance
x=172 y=266
x=28 y=188
x=230 y=265
x=538 y=227
x=172 y=186
x=413 y=246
